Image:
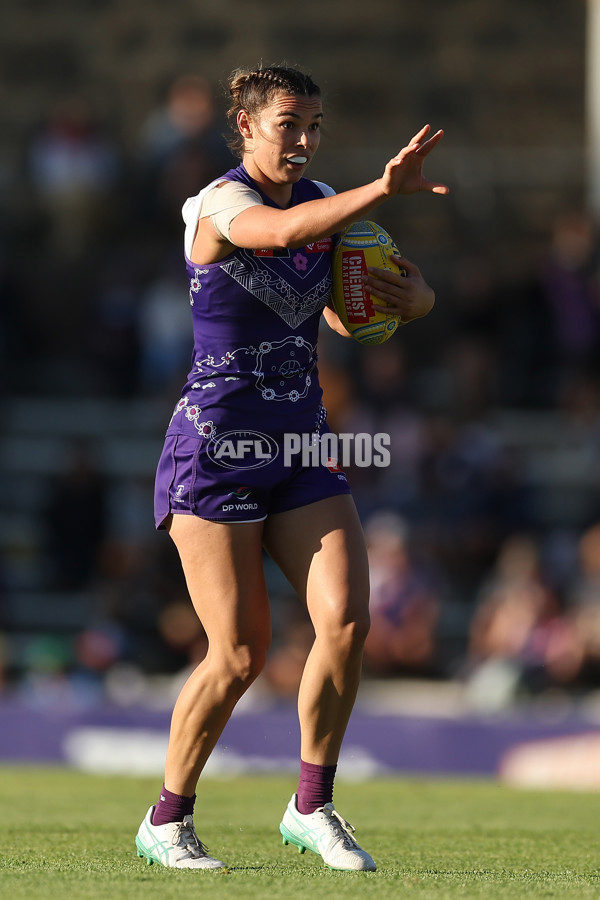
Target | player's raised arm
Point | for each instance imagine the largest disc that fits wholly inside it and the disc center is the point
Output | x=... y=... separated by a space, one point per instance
x=263 y=226
x=278 y=142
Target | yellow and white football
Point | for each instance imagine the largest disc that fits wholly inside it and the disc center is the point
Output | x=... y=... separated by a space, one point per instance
x=361 y=245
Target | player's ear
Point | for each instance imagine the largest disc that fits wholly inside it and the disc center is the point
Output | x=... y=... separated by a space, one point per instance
x=244 y=123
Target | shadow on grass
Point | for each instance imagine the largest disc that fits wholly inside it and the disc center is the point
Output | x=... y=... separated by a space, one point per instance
x=251 y=868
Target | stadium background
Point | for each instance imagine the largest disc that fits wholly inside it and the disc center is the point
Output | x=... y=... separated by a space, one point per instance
x=492 y=402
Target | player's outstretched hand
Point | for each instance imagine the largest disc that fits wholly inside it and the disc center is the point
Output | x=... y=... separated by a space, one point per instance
x=404 y=172
x=408 y=296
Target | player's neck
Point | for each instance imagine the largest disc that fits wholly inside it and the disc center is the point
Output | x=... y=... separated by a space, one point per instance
x=280 y=193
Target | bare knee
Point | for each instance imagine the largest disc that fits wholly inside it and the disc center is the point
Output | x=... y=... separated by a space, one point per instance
x=248 y=663
x=347 y=634
x=356 y=631
x=240 y=666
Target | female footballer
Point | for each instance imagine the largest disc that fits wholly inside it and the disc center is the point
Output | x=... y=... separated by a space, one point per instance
x=258 y=245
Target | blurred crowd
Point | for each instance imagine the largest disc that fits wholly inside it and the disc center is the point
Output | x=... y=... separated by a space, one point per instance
x=470 y=579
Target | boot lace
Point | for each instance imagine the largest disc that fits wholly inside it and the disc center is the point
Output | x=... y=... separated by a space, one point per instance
x=186 y=838
x=343 y=830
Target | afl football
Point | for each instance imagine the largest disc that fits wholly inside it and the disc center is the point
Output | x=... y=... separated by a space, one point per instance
x=360 y=245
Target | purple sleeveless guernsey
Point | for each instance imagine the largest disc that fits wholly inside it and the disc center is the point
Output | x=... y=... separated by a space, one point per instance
x=256 y=318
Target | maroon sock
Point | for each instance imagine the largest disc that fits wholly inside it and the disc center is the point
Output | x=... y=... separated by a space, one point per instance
x=172 y=807
x=315 y=787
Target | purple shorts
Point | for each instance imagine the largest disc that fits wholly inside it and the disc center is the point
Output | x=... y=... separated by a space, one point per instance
x=240 y=479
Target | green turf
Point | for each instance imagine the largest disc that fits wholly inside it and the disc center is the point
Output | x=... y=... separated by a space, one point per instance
x=71 y=836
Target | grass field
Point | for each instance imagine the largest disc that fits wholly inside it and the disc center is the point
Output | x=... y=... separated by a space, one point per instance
x=71 y=836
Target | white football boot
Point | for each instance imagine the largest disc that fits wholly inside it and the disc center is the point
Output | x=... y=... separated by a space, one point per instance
x=174 y=845
x=327 y=834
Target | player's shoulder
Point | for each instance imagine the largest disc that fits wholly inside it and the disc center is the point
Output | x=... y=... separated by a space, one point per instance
x=224 y=193
x=325 y=189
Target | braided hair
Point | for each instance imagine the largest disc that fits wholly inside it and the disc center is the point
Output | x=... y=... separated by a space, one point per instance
x=253 y=90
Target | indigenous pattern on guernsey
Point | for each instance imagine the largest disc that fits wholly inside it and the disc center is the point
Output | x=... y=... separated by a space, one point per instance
x=295 y=370
x=256 y=316
x=274 y=288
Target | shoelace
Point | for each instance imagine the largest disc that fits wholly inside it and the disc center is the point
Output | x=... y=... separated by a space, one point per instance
x=343 y=829
x=185 y=837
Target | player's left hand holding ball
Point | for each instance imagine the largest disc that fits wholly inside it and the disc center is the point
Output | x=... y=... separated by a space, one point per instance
x=408 y=296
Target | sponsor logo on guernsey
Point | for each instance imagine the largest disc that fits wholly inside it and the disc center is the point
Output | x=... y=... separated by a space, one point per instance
x=325 y=245
x=322 y=246
x=280 y=254
x=242 y=449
